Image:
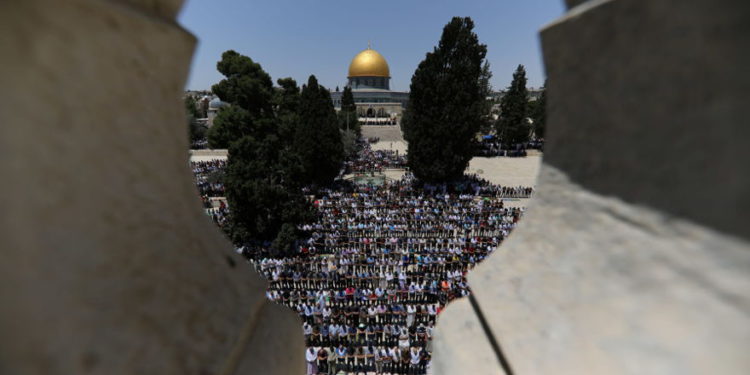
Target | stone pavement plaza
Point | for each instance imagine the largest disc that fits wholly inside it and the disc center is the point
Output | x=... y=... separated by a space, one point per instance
x=499 y=170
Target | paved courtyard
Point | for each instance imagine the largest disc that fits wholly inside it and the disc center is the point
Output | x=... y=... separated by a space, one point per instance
x=500 y=170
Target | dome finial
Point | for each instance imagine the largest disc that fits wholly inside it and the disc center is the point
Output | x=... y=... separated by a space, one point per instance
x=369 y=45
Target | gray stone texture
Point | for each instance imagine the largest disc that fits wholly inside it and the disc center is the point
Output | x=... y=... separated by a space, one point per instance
x=109 y=265
x=650 y=105
x=633 y=256
x=590 y=284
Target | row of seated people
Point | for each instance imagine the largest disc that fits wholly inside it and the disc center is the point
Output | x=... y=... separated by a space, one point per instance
x=380 y=264
x=204 y=172
x=369 y=160
x=365 y=359
x=493 y=147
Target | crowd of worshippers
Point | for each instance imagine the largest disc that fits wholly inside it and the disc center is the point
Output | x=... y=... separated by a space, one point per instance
x=368 y=160
x=204 y=172
x=199 y=144
x=380 y=264
x=377 y=121
x=490 y=147
x=211 y=189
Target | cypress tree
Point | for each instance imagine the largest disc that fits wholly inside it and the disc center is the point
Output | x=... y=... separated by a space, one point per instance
x=287 y=103
x=539 y=114
x=262 y=193
x=196 y=132
x=348 y=115
x=446 y=104
x=317 y=140
x=513 y=126
x=261 y=180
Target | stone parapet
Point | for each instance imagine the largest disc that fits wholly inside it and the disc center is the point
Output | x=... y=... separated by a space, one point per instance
x=633 y=257
x=109 y=265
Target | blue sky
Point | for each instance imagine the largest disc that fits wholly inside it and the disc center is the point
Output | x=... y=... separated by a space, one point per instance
x=302 y=37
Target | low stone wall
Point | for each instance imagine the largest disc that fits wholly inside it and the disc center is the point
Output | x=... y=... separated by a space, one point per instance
x=208 y=154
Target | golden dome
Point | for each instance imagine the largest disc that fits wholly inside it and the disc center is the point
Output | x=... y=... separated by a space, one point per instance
x=369 y=63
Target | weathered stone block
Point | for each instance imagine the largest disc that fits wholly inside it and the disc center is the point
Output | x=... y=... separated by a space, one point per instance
x=648 y=103
x=109 y=265
x=633 y=256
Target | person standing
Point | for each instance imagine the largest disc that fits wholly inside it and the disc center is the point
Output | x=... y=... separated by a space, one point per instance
x=322 y=361
x=379 y=354
x=341 y=355
x=411 y=313
x=311 y=356
x=332 y=359
x=414 y=361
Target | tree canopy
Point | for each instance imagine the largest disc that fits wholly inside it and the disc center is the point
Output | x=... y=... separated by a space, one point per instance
x=262 y=193
x=512 y=125
x=246 y=84
x=446 y=104
x=196 y=132
x=538 y=113
x=317 y=140
x=262 y=175
x=348 y=118
x=286 y=103
x=230 y=124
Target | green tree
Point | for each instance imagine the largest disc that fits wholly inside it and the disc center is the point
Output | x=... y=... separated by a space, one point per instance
x=348 y=118
x=317 y=140
x=196 y=132
x=539 y=113
x=349 y=140
x=484 y=83
x=286 y=103
x=284 y=244
x=246 y=84
x=249 y=92
x=287 y=97
x=446 y=104
x=261 y=191
x=513 y=126
x=261 y=179
x=191 y=106
x=230 y=124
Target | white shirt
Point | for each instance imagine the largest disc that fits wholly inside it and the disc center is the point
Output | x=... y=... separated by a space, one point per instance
x=395 y=354
x=414 y=357
x=311 y=357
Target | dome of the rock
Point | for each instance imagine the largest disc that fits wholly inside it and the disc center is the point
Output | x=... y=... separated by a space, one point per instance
x=369 y=63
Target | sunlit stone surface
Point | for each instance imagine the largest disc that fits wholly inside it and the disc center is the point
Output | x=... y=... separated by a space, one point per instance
x=633 y=255
x=109 y=265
